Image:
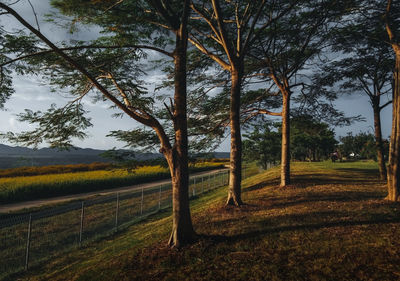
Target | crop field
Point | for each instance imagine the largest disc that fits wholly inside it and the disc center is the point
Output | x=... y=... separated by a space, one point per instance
x=54 y=169
x=13 y=189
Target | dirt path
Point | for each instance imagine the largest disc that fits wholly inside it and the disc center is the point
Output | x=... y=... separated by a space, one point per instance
x=6 y=208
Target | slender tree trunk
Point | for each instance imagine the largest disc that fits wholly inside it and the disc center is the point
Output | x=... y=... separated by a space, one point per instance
x=394 y=157
x=235 y=175
x=177 y=156
x=285 y=155
x=378 y=139
x=182 y=228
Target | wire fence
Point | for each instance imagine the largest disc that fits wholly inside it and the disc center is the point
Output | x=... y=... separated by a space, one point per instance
x=28 y=239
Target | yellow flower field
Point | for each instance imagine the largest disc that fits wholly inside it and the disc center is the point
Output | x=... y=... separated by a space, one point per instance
x=33 y=187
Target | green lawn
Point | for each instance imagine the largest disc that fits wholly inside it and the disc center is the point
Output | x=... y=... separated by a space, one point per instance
x=331 y=224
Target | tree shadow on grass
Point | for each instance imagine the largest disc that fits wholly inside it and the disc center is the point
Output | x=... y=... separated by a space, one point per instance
x=297 y=224
x=346 y=176
x=347 y=196
x=274 y=182
x=369 y=172
x=305 y=180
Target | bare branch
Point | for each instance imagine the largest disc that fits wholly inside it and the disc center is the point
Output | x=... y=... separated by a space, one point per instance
x=113 y=5
x=384 y=105
x=222 y=32
x=169 y=111
x=213 y=56
x=34 y=13
x=208 y=21
x=257 y=111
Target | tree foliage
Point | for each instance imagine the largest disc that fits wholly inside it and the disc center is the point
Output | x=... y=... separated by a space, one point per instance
x=262 y=145
x=360 y=146
x=56 y=125
x=311 y=139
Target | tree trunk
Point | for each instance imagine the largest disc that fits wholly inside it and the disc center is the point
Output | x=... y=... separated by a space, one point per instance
x=285 y=155
x=378 y=138
x=182 y=228
x=394 y=157
x=177 y=156
x=235 y=175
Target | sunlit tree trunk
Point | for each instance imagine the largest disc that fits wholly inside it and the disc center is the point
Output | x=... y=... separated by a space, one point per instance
x=182 y=228
x=378 y=138
x=285 y=154
x=394 y=157
x=235 y=175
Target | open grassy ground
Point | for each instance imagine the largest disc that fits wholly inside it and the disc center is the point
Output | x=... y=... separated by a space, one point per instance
x=331 y=224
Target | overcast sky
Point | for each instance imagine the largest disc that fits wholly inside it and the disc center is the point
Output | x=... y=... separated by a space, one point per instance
x=35 y=95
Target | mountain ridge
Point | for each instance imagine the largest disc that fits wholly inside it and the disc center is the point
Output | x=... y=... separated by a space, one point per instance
x=18 y=156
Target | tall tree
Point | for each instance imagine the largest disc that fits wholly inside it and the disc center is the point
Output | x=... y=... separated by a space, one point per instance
x=283 y=51
x=103 y=65
x=392 y=24
x=225 y=32
x=365 y=65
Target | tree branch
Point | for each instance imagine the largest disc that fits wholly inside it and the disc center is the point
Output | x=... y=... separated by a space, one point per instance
x=87 y=47
x=162 y=10
x=213 y=56
x=208 y=21
x=222 y=31
x=78 y=67
x=384 y=105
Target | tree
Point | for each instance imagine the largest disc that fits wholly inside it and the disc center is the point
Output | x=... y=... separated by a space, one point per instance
x=392 y=24
x=262 y=144
x=225 y=32
x=104 y=66
x=311 y=139
x=283 y=51
x=365 y=65
x=361 y=146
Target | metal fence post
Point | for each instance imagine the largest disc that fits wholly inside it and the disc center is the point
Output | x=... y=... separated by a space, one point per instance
x=141 y=203
x=194 y=183
x=116 y=213
x=81 y=227
x=214 y=181
x=28 y=242
x=159 y=199
x=202 y=184
x=226 y=180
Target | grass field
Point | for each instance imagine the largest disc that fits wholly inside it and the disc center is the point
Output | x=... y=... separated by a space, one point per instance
x=331 y=224
x=13 y=189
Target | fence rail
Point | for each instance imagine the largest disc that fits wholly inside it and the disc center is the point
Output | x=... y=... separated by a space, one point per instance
x=29 y=239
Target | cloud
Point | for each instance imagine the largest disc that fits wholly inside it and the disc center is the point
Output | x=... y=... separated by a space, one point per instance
x=12 y=122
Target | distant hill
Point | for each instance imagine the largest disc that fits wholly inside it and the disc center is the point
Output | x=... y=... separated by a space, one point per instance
x=222 y=155
x=17 y=156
